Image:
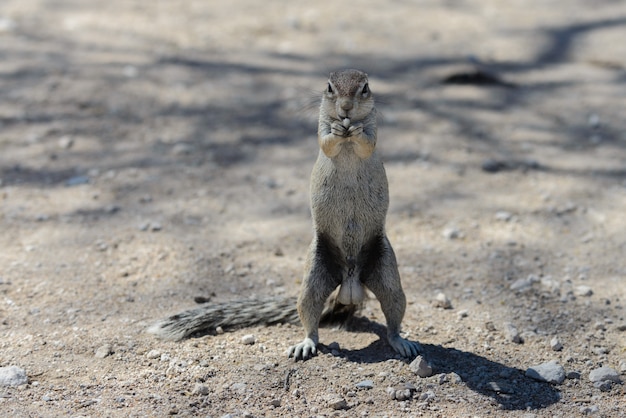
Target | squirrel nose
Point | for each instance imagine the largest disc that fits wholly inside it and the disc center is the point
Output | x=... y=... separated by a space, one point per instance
x=346 y=105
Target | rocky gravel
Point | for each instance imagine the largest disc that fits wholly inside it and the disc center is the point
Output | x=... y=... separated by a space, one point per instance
x=155 y=156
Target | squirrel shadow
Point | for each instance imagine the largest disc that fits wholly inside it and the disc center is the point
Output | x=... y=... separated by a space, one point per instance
x=507 y=386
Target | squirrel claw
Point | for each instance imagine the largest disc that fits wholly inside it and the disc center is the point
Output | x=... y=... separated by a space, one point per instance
x=406 y=348
x=303 y=351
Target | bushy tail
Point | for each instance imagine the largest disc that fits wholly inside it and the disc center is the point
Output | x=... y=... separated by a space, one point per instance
x=228 y=315
x=244 y=313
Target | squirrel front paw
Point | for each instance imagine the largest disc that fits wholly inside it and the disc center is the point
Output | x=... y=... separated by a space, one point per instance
x=355 y=130
x=338 y=129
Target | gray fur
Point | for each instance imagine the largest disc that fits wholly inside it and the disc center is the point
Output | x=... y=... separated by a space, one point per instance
x=349 y=202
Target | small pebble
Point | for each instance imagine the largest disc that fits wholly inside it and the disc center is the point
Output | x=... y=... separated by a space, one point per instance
x=200 y=389
x=182 y=149
x=365 y=384
x=219 y=330
x=275 y=403
x=12 y=376
x=402 y=394
x=494 y=166
x=555 y=344
x=499 y=387
x=420 y=367
x=248 y=339
x=589 y=410
x=584 y=291
x=551 y=372
x=454 y=378
x=604 y=373
x=104 y=351
x=452 y=232
x=462 y=313
x=524 y=284
x=77 y=181
x=512 y=334
x=573 y=375
x=442 y=301
x=593 y=120
x=503 y=216
x=66 y=142
x=600 y=350
x=604 y=386
x=338 y=403
x=427 y=396
x=153 y=354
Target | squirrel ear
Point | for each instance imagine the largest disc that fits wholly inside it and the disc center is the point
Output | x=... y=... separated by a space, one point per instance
x=329 y=89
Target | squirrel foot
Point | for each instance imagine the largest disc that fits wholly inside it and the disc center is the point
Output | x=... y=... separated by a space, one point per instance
x=406 y=348
x=303 y=351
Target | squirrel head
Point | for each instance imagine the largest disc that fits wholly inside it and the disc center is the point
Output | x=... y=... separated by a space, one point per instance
x=348 y=95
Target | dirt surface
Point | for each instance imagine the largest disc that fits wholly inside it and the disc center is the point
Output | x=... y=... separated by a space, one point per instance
x=156 y=152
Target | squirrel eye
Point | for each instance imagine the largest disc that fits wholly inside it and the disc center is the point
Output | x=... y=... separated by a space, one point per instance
x=365 y=90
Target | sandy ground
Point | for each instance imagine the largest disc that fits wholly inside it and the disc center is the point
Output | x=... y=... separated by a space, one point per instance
x=156 y=152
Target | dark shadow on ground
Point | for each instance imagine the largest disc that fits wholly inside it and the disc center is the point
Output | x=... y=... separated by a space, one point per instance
x=508 y=386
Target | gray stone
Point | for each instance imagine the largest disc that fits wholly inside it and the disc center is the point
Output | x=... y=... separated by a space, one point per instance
x=427 y=396
x=338 y=403
x=555 y=344
x=521 y=285
x=454 y=378
x=583 y=290
x=402 y=394
x=452 y=232
x=442 y=301
x=503 y=216
x=200 y=389
x=420 y=367
x=604 y=386
x=104 y=351
x=248 y=339
x=153 y=354
x=365 y=384
x=589 y=410
x=275 y=402
x=12 y=376
x=77 y=181
x=551 y=372
x=573 y=375
x=604 y=373
x=512 y=334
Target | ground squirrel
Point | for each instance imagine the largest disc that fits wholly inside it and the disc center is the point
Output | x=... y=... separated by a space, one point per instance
x=350 y=250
